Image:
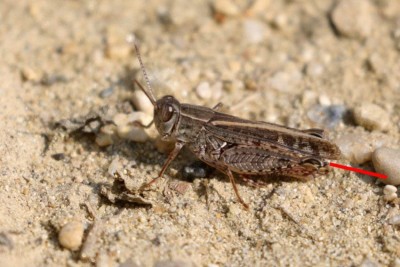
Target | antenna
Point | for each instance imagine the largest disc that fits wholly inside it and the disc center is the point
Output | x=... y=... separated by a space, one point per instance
x=149 y=92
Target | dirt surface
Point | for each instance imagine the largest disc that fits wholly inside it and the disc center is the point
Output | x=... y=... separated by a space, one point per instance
x=274 y=61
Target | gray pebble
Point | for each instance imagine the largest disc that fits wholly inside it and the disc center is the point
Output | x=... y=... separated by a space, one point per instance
x=387 y=161
x=372 y=117
x=327 y=116
x=107 y=92
x=71 y=235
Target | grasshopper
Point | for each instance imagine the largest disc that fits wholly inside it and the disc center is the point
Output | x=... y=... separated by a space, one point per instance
x=234 y=145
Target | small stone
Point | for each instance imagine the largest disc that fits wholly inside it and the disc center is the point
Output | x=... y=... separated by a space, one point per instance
x=30 y=74
x=396 y=263
x=372 y=117
x=197 y=169
x=109 y=129
x=142 y=102
x=389 y=189
x=358 y=147
x=368 y=263
x=314 y=69
x=308 y=98
x=226 y=7
x=118 y=51
x=103 y=139
x=58 y=156
x=107 y=92
x=254 y=31
x=354 y=18
x=327 y=116
x=389 y=193
x=324 y=100
x=139 y=116
x=71 y=235
x=387 y=161
x=395 y=220
x=377 y=63
x=285 y=81
x=390 y=197
x=203 y=90
x=133 y=133
x=6 y=241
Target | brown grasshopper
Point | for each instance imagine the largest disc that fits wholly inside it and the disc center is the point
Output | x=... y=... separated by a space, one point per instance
x=235 y=145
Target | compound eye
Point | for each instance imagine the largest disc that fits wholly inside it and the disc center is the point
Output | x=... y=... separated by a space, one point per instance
x=167 y=113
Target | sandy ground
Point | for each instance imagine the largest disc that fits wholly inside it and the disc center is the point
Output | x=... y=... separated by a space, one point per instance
x=62 y=59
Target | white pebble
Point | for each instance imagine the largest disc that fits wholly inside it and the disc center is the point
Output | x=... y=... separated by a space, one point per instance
x=387 y=161
x=354 y=18
x=118 y=51
x=390 y=197
x=372 y=117
x=142 y=102
x=133 y=133
x=142 y=117
x=121 y=119
x=285 y=81
x=204 y=91
x=254 y=31
x=389 y=189
x=395 y=220
x=226 y=7
x=314 y=69
x=358 y=147
x=71 y=235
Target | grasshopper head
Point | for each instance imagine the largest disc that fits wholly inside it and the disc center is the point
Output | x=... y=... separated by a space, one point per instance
x=167 y=112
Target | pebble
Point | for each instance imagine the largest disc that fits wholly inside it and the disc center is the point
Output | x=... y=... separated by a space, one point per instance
x=285 y=81
x=308 y=98
x=354 y=18
x=254 y=31
x=107 y=92
x=203 y=90
x=372 y=117
x=30 y=74
x=389 y=193
x=118 y=51
x=197 y=169
x=327 y=116
x=103 y=139
x=133 y=133
x=142 y=102
x=314 y=69
x=387 y=161
x=358 y=147
x=226 y=7
x=71 y=235
x=117 y=47
x=395 y=220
